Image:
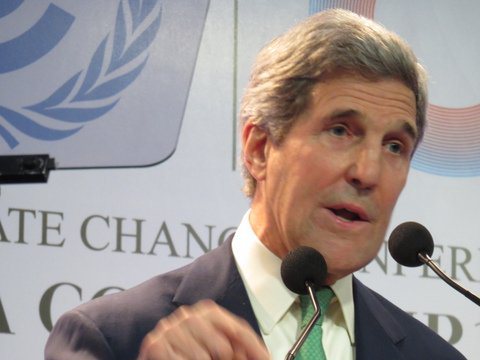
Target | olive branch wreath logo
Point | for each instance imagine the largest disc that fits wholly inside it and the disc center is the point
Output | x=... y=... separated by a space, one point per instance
x=104 y=78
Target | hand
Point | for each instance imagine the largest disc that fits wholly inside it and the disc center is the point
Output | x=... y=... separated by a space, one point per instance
x=202 y=331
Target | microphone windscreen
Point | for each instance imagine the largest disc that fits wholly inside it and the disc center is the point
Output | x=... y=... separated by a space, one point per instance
x=407 y=241
x=301 y=265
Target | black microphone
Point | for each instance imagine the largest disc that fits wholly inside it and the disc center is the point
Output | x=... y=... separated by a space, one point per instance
x=411 y=244
x=304 y=271
x=408 y=240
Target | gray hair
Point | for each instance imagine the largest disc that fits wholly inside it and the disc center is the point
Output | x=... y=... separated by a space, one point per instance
x=318 y=49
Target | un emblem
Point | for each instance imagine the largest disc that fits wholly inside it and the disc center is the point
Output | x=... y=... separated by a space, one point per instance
x=90 y=56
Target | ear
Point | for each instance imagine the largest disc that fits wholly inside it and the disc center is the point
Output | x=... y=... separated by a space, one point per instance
x=256 y=146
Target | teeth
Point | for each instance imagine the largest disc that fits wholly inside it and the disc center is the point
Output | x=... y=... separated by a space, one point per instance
x=345 y=219
x=346 y=215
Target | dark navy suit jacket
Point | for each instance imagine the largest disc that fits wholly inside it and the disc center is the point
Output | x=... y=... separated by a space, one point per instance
x=113 y=326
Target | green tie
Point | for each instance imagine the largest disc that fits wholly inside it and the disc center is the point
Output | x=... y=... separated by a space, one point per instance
x=312 y=348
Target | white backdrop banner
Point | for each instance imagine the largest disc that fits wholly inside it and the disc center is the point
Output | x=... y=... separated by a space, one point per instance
x=90 y=232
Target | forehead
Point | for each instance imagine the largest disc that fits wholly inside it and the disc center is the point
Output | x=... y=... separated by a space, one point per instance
x=386 y=99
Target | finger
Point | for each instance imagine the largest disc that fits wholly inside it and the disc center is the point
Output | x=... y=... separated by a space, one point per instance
x=203 y=331
x=173 y=339
x=187 y=334
x=241 y=336
x=201 y=325
x=204 y=334
x=156 y=347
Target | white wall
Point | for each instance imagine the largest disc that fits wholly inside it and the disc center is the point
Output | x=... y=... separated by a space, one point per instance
x=196 y=189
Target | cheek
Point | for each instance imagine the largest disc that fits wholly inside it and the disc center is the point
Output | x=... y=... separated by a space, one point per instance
x=393 y=187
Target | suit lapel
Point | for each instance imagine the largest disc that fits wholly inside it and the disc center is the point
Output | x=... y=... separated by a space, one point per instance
x=377 y=333
x=215 y=276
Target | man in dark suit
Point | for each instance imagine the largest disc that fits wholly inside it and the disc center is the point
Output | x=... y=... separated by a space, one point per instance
x=331 y=118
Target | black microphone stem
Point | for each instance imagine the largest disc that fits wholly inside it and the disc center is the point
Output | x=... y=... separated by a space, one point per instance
x=432 y=265
x=303 y=336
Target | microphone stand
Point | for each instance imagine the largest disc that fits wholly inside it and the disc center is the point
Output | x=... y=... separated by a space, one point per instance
x=303 y=335
x=424 y=258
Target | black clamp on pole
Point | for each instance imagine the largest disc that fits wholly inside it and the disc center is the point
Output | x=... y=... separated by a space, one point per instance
x=18 y=169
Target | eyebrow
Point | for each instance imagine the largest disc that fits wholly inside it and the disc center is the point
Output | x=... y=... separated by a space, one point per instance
x=406 y=126
x=410 y=130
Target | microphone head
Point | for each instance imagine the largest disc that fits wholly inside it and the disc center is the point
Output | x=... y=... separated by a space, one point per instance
x=301 y=265
x=407 y=241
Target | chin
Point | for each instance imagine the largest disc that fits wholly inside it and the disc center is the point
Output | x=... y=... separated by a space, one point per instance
x=330 y=280
x=338 y=272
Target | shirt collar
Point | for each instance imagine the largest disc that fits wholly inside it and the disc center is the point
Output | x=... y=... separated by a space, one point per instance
x=343 y=289
x=260 y=272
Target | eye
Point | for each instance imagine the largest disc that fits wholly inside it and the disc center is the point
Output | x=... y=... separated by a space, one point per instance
x=396 y=147
x=338 y=130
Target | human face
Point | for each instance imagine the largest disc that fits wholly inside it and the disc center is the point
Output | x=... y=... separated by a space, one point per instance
x=334 y=180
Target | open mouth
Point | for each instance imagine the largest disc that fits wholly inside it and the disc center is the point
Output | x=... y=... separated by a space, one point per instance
x=346 y=215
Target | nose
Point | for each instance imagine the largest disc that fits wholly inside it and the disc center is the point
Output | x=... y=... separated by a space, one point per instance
x=365 y=167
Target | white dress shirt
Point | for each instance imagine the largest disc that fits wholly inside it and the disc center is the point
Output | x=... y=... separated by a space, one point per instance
x=277 y=309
